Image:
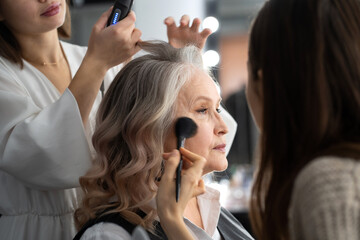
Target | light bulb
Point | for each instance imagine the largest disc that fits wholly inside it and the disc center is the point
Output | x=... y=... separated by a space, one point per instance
x=212 y=23
x=211 y=58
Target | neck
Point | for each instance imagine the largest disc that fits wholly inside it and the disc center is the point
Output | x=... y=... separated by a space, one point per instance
x=192 y=204
x=192 y=212
x=40 y=48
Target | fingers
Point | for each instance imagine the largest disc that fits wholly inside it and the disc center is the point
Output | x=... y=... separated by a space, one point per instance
x=192 y=162
x=126 y=29
x=186 y=163
x=192 y=184
x=130 y=18
x=135 y=36
x=127 y=23
x=170 y=25
x=205 y=33
x=171 y=163
x=184 y=21
x=170 y=22
x=193 y=157
x=114 y=44
x=197 y=161
x=195 y=25
x=200 y=188
x=166 y=155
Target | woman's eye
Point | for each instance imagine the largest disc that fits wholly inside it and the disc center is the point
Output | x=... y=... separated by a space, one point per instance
x=202 y=110
x=218 y=110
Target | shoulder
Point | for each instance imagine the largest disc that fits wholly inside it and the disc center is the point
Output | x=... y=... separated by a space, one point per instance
x=7 y=67
x=326 y=190
x=326 y=177
x=11 y=76
x=106 y=231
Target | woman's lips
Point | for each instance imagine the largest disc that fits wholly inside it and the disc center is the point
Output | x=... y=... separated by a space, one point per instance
x=52 y=10
x=220 y=147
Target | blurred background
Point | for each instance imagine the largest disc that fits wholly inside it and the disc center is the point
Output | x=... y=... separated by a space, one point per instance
x=225 y=53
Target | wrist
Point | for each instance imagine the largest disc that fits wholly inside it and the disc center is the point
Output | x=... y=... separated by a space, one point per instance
x=95 y=65
x=170 y=215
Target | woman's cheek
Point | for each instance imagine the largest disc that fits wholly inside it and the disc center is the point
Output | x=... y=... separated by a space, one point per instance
x=201 y=143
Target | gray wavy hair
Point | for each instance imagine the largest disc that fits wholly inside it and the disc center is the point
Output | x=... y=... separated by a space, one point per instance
x=133 y=121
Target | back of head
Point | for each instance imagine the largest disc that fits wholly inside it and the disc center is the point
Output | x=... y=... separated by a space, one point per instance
x=135 y=116
x=309 y=54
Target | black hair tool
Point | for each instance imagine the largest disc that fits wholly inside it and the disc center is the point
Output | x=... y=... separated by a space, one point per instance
x=120 y=11
x=184 y=128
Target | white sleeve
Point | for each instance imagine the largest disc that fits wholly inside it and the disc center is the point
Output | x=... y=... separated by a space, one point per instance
x=232 y=126
x=44 y=148
x=105 y=231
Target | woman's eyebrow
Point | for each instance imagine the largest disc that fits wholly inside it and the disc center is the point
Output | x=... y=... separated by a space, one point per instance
x=206 y=98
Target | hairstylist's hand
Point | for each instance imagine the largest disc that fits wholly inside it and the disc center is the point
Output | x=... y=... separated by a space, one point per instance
x=170 y=211
x=113 y=45
x=184 y=34
x=108 y=47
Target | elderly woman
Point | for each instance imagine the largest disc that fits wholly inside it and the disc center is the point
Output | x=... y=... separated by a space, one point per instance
x=135 y=126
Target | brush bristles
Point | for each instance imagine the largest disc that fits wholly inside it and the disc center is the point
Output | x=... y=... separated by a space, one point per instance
x=185 y=127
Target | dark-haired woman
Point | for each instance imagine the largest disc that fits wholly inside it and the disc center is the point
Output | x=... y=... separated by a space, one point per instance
x=304 y=93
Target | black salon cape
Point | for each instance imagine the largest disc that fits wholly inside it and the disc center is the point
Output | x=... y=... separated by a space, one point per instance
x=229 y=227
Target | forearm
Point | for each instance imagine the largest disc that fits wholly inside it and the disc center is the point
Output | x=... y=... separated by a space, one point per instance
x=86 y=84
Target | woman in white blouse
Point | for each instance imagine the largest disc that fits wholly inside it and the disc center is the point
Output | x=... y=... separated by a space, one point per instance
x=49 y=93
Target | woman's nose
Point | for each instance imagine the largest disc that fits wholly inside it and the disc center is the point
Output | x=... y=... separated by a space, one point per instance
x=42 y=1
x=221 y=127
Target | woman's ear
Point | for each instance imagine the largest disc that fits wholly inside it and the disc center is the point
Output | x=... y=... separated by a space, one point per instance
x=254 y=96
x=260 y=74
x=258 y=83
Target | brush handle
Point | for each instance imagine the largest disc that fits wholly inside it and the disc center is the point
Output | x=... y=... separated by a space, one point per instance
x=180 y=143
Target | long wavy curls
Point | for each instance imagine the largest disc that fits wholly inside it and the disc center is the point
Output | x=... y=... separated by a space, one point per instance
x=134 y=118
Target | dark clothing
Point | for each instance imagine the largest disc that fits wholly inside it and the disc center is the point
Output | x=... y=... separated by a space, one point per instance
x=228 y=226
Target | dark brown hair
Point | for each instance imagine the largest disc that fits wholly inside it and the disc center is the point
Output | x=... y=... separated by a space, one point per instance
x=10 y=48
x=309 y=54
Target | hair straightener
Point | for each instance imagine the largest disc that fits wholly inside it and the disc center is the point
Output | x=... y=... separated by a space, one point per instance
x=120 y=10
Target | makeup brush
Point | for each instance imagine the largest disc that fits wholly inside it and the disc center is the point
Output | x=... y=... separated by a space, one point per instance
x=184 y=128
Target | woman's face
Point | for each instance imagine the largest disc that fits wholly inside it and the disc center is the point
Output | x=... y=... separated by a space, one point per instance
x=199 y=100
x=29 y=17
